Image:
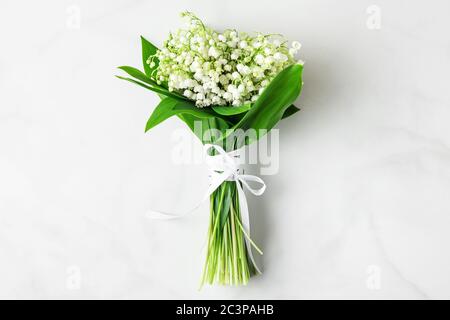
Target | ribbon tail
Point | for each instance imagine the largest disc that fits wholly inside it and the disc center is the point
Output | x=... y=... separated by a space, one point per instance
x=161 y=215
x=216 y=181
x=245 y=219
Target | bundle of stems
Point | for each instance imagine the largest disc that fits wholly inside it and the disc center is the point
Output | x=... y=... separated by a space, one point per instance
x=227 y=261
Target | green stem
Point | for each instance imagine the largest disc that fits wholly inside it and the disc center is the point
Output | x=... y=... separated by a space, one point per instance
x=227 y=260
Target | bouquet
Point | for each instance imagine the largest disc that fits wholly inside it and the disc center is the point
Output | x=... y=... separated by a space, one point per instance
x=223 y=85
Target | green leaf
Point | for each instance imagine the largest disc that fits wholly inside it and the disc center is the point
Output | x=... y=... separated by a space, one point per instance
x=148 y=49
x=159 y=90
x=213 y=129
x=290 y=111
x=204 y=124
x=138 y=74
x=273 y=103
x=235 y=114
x=169 y=107
x=229 y=110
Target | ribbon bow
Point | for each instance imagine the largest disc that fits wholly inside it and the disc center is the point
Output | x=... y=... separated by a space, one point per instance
x=225 y=167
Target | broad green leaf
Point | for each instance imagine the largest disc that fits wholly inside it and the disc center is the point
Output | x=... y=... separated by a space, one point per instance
x=268 y=110
x=229 y=110
x=216 y=127
x=148 y=49
x=199 y=126
x=159 y=90
x=290 y=111
x=169 y=107
x=138 y=74
x=235 y=114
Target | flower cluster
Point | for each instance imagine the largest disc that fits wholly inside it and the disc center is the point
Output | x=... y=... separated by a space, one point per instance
x=228 y=68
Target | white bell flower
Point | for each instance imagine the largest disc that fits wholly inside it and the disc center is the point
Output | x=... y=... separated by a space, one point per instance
x=213 y=52
x=259 y=59
x=296 y=45
x=226 y=68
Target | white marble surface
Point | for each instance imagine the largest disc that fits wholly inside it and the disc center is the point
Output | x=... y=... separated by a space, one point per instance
x=359 y=209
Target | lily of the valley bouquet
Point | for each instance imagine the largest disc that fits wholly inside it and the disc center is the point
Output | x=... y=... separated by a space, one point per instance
x=222 y=85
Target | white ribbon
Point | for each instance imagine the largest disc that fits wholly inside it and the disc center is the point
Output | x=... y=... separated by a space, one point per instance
x=225 y=167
